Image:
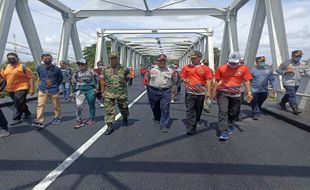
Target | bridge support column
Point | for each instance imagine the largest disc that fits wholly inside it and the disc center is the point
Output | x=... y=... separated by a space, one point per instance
x=6 y=13
x=31 y=34
x=65 y=37
x=129 y=59
x=256 y=29
x=210 y=51
x=123 y=55
x=113 y=45
x=225 y=47
x=76 y=42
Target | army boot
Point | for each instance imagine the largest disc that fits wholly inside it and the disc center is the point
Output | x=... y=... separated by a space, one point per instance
x=109 y=129
x=125 y=121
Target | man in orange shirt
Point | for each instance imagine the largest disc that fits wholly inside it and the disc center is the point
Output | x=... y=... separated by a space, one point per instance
x=19 y=81
x=131 y=76
x=197 y=79
x=227 y=89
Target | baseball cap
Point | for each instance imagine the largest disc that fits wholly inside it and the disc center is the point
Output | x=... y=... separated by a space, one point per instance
x=234 y=57
x=196 y=54
x=162 y=57
x=12 y=54
x=297 y=53
x=113 y=54
x=81 y=61
x=260 y=59
x=46 y=54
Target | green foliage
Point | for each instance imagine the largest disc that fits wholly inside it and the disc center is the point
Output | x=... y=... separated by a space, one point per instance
x=217 y=53
x=173 y=61
x=89 y=53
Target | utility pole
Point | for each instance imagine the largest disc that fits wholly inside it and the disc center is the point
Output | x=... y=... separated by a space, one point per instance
x=14 y=41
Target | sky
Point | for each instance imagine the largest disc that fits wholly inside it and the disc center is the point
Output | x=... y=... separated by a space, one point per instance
x=48 y=23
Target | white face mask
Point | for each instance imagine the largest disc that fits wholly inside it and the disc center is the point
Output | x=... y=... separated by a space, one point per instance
x=233 y=65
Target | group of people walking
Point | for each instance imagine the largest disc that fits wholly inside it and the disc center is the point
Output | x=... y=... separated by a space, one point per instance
x=83 y=85
x=226 y=85
x=162 y=82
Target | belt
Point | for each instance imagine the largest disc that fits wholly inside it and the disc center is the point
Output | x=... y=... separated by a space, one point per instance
x=158 y=89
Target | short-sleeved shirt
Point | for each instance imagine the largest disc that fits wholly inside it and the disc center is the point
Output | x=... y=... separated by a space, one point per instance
x=66 y=74
x=115 y=80
x=160 y=78
x=231 y=79
x=17 y=77
x=196 y=77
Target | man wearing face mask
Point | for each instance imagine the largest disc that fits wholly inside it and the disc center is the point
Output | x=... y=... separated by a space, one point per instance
x=66 y=82
x=50 y=79
x=259 y=85
x=19 y=82
x=227 y=90
x=291 y=75
x=115 y=89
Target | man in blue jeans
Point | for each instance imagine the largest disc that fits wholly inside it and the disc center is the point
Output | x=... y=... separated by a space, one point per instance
x=291 y=72
x=159 y=80
x=66 y=82
x=259 y=85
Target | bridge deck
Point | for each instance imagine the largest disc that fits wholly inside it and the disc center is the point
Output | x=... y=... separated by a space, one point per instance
x=264 y=154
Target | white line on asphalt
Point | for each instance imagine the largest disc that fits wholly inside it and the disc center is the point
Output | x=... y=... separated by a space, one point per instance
x=74 y=156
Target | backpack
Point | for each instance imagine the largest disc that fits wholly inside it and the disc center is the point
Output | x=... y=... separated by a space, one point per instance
x=3 y=82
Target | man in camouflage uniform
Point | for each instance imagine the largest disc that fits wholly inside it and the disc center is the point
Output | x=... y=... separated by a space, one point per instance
x=114 y=89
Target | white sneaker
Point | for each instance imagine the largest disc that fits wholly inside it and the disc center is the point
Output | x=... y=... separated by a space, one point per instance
x=172 y=101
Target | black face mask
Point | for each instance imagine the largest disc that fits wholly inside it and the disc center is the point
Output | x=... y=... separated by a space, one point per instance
x=47 y=62
x=12 y=60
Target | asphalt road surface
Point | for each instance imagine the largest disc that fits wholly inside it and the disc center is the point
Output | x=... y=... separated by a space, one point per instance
x=263 y=154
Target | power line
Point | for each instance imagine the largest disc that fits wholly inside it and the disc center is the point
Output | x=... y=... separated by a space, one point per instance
x=58 y=19
x=26 y=47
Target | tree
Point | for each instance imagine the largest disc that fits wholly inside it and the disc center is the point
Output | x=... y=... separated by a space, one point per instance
x=89 y=53
x=217 y=53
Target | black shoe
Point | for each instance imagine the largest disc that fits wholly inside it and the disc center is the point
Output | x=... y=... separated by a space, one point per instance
x=15 y=122
x=27 y=115
x=282 y=106
x=125 y=121
x=191 y=132
x=255 y=117
x=109 y=129
x=296 y=111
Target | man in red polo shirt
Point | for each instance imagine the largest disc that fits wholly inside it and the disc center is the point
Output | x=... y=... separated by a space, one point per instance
x=228 y=82
x=197 y=79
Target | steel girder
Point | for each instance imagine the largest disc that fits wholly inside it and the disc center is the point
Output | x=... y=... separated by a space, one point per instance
x=31 y=34
x=6 y=13
x=215 y=12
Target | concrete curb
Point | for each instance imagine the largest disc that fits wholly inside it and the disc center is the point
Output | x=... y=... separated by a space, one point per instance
x=295 y=122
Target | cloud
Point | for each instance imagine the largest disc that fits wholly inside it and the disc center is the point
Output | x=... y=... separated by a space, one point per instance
x=296 y=13
x=49 y=28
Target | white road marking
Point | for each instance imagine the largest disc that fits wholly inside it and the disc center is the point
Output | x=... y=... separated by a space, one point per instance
x=51 y=177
